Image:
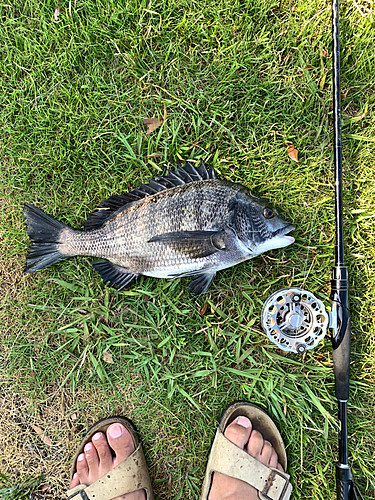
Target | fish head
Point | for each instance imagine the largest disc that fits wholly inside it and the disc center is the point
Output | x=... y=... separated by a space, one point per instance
x=258 y=225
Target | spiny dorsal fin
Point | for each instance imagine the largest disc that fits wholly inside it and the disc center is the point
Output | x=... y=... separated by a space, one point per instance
x=182 y=175
x=107 y=208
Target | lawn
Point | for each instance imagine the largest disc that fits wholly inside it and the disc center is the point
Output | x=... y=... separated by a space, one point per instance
x=236 y=83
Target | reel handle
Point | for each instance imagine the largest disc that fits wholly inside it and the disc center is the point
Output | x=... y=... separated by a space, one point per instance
x=341 y=338
x=341 y=363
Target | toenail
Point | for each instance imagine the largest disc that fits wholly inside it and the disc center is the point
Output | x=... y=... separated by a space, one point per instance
x=268 y=443
x=115 y=431
x=88 y=447
x=80 y=457
x=244 y=422
x=96 y=436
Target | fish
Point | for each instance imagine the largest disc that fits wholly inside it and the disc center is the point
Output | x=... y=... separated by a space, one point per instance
x=185 y=223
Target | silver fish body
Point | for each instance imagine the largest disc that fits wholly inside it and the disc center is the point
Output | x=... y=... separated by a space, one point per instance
x=187 y=223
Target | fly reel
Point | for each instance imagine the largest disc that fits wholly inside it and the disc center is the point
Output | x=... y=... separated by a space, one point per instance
x=294 y=319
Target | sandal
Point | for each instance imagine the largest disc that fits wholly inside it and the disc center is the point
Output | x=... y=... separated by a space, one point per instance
x=128 y=476
x=229 y=459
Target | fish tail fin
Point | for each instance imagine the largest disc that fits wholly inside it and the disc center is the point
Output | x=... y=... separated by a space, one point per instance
x=44 y=232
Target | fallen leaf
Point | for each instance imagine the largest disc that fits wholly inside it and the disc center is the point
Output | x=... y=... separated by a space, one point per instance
x=344 y=94
x=293 y=153
x=203 y=310
x=146 y=298
x=73 y=416
x=56 y=13
x=152 y=124
x=41 y=434
x=45 y=487
x=324 y=53
x=107 y=357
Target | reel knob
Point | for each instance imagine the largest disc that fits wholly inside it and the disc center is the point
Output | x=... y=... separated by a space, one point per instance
x=294 y=319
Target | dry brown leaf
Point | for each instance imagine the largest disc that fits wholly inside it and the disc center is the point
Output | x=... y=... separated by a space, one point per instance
x=293 y=153
x=56 y=13
x=152 y=124
x=41 y=434
x=203 y=310
x=45 y=487
x=107 y=357
x=344 y=94
x=324 y=53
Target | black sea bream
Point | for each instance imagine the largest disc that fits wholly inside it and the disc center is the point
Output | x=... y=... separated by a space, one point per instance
x=187 y=223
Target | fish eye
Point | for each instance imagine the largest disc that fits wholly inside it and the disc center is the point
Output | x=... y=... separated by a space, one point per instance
x=268 y=213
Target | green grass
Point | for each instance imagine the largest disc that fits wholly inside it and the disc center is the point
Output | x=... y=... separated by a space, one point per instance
x=236 y=82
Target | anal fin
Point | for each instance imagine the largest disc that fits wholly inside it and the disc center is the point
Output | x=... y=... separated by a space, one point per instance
x=112 y=275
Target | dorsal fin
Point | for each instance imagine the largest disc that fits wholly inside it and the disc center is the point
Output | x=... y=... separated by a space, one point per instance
x=182 y=175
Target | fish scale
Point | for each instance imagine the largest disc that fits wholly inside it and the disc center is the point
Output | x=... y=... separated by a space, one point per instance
x=174 y=226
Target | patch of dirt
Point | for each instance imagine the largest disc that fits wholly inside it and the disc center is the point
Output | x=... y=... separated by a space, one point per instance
x=63 y=420
x=11 y=276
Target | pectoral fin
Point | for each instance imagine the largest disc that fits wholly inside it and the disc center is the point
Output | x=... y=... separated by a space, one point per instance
x=195 y=244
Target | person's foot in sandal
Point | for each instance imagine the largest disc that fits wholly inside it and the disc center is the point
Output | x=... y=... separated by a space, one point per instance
x=101 y=455
x=241 y=434
x=247 y=458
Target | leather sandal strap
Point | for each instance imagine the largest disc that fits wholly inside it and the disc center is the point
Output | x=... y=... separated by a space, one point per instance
x=229 y=459
x=130 y=475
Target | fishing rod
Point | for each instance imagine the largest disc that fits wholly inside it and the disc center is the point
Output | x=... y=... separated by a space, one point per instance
x=346 y=488
x=296 y=320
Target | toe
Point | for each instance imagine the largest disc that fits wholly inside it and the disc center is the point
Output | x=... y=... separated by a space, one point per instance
x=266 y=452
x=255 y=444
x=74 y=482
x=104 y=453
x=92 y=459
x=82 y=469
x=274 y=460
x=120 y=441
x=238 y=432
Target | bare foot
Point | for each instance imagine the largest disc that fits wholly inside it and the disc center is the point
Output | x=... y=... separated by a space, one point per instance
x=241 y=434
x=97 y=458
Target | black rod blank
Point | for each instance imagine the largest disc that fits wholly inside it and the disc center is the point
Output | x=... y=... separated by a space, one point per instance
x=337 y=133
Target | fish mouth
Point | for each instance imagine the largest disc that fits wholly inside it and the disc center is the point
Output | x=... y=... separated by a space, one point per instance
x=283 y=232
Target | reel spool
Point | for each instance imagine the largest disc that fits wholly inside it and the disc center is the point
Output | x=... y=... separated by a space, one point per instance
x=294 y=319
